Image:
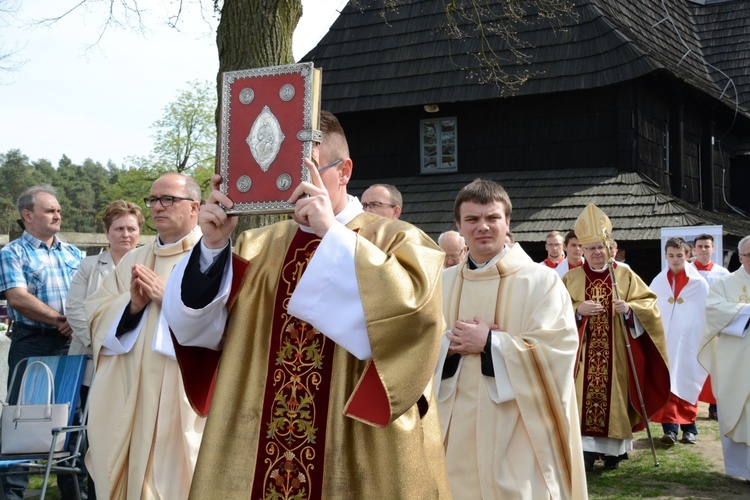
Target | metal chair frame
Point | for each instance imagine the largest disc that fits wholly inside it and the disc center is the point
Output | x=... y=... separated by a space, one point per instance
x=67 y=461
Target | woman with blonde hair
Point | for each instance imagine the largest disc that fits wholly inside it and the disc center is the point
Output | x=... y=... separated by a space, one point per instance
x=123 y=222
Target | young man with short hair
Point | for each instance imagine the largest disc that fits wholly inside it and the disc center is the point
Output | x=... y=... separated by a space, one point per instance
x=704 y=249
x=681 y=297
x=504 y=379
x=573 y=250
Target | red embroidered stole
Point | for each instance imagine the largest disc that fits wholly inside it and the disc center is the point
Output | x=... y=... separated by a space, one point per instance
x=291 y=448
x=598 y=361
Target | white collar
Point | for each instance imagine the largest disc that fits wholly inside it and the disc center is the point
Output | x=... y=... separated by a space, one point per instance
x=167 y=245
x=492 y=261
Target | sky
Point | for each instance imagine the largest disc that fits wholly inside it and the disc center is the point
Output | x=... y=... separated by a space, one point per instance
x=75 y=96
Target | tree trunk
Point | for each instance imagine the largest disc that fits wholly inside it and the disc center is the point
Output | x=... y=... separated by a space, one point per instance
x=255 y=34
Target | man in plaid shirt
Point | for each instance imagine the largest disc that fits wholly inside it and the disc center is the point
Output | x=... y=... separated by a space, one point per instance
x=35 y=274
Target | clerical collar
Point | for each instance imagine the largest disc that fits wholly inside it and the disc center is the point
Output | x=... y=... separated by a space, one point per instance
x=477 y=265
x=602 y=270
x=352 y=209
x=701 y=267
x=161 y=244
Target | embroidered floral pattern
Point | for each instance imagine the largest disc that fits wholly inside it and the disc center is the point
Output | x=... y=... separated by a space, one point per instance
x=598 y=354
x=290 y=455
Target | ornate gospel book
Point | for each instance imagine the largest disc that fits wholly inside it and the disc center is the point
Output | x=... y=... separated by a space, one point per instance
x=269 y=120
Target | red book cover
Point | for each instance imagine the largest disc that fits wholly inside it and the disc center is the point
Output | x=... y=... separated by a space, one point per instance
x=269 y=120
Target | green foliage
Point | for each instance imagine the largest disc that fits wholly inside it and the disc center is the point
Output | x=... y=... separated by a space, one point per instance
x=185 y=141
x=185 y=136
x=16 y=175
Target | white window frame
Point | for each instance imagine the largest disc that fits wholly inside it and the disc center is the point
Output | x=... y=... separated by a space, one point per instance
x=435 y=163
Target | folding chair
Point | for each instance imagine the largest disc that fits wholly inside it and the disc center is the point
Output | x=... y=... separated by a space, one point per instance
x=68 y=374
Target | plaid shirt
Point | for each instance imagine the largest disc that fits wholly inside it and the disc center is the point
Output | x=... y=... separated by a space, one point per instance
x=45 y=272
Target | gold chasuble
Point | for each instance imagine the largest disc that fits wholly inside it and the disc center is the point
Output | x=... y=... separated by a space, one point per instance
x=607 y=399
x=294 y=415
x=291 y=448
x=520 y=441
x=143 y=431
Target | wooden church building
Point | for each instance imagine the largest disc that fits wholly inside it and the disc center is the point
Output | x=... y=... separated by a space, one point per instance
x=641 y=107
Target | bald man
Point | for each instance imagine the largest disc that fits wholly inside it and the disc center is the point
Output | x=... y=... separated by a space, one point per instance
x=454 y=246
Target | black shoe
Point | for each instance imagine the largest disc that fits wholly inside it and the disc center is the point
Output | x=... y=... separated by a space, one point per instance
x=669 y=438
x=688 y=438
x=712 y=413
x=611 y=463
x=589 y=459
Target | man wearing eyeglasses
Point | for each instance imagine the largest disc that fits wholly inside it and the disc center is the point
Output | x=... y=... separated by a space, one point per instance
x=327 y=346
x=383 y=199
x=144 y=433
x=724 y=354
x=554 y=246
x=607 y=403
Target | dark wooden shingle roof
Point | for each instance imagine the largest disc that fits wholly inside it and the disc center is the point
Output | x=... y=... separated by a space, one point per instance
x=375 y=58
x=546 y=200
x=724 y=30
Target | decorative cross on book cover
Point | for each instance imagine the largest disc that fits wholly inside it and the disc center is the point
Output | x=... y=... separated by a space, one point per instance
x=269 y=120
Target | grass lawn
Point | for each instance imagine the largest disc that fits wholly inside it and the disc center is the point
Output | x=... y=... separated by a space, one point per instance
x=35 y=483
x=684 y=471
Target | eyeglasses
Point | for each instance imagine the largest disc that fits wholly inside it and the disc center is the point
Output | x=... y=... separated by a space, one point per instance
x=594 y=249
x=554 y=245
x=332 y=164
x=166 y=201
x=376 y=204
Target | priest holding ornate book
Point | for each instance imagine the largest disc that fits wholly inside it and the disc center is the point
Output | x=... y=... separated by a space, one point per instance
x=328 y=328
